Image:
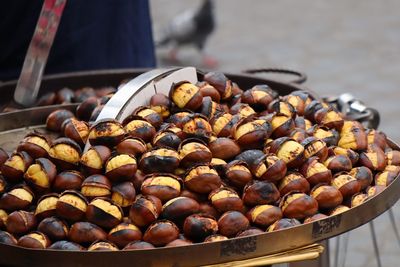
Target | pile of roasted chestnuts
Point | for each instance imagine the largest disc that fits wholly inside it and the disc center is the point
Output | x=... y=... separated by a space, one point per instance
x=206 y=163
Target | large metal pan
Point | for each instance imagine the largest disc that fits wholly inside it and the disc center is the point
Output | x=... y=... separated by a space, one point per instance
x=14 y=125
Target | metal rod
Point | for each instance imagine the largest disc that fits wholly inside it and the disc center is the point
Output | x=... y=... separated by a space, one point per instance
x=375 y=243
x=393 y=221
x=336 y=263
x=345 y=246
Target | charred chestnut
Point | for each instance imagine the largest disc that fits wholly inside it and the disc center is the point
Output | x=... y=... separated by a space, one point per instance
x=36 y=240
x=194 y=151
x=54 y=228
x=223 y=124
x=238 y=173
x=96 y=185
x=270 y=168
x=41 y=174
x=71 y=205
x=107 y=132
x=293 y=181
x=145 y=210
x=346 y=184
x=149 y=115
x=290 y=151
x=66 y=245
x=186 y=95
x=124 y=233
x=197 y=227
x=7 y=238
x=327 y=196
x=315 y=172
x=177 y=209
x=165 y=186
x=14 y=167
x=264 y=215
x=46 y=206
x=20 y=197
x=67 y=180
x=202 y=179
x=65 y=153
x=85 y=233
x=250 y=135
x=132 y=146
x=35 y=144
x=56 y=119
x=20 y=222
x=231 y=223
x=298 y=205
x=161 y=233
x=259 y=193
x=315 y=147
x=225 y=199
x=223 y=148
x=159 y=160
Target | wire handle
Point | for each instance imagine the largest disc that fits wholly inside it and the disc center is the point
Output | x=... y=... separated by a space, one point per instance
x=301 y=76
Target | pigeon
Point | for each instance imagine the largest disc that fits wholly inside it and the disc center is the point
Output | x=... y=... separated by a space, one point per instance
x=191 y=28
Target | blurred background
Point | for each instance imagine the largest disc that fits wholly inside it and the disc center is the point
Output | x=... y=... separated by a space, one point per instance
x=343 y=46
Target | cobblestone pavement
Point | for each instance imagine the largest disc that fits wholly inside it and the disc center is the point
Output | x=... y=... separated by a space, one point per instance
x=343 y=46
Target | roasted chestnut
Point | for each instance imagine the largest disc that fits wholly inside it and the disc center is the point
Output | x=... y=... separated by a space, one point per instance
x=124 y=233
x=215 y=238
x=77 y=130
x=159 y=160
x=149 y=115
x=166 y=138
x=238 y=173
x=315 y=172
x=165 y=186
x=293 y=181
x=264 y=215
x=194 y=151
x=104 y=212
x=132 y=146
x=315 y=147
x=339 y=209
x=121 y=167
x=392 y=156
x=199 y=226
x=3 y=156
x=161 y=233
x=3 y=219
x=85 y=233
x=41 y=174
x=358 y=199
x=36 y=240
x=207 y=89
x=7 y=238
x=259 y=96
x=14 y=167
x=346 y=184
x=251 y=135
x=243 y=110
x=65 y=153
x=202 y=179
x=107 y=132
x=231 y=223
x=281 y=107
x=376 y=137
x=315 y=217
x=353 y=136
x=161 y=104
x=93 y=160
x=186 y=95
x=373 y=158
x=290 y=151
x=363 y=175
x=96 y=185
x=35 y=144
x=177 y=209
x=56 y=119
x=282 y=125
x=209 y=108
x=71 y=205
x=145 y=210
x=20 y=197
x=259 y=193
x=329 y=117
x=123 y=194
x=384 y=178
x=338 y=163
x=46 y=206
x=220 y=82
x=223 y=148
x=66 y=245
x=327 y=196
x=336 y=150
x=298 y=205
x=250 y=231
x=67 y=180
x=138 y=245
x=329 y=136
x=54 y=228
x=223 y=124
x=225 y=199
x=20 y=222
x=270 y=168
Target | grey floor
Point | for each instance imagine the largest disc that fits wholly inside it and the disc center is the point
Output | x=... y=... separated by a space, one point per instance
x=343 y=46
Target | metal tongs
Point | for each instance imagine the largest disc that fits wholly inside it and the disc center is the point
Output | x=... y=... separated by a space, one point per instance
x=36 y=58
